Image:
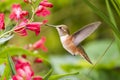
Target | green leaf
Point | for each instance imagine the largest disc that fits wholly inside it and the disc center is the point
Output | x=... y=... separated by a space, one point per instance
x=111 y=16
x=2 y=68
x=20 y=51
x=11 y=64
x=3 y=60
x=56 y=77
x=112 y=19
x=104 y=17
x=8 y=28
x=116 y=4
x=46 y=77
x=6 y=73
x=6 y=34
x=6 y=38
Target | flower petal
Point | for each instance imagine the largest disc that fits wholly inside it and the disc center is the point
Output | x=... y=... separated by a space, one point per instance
x=40 y=44
x=2 y=24
x=17 y=13
x=46 y=4
x=37 y=78
x=34 y=26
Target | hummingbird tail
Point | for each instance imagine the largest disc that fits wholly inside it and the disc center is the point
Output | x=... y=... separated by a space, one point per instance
x=84 y=55
x=87 y=58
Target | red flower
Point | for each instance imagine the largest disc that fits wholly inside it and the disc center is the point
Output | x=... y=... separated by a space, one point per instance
x=23 y=69
x=42 y=9
x=38 y=60
x=27 y=1
x=24 y=26
x=37 y=78
x=21 y=28
x=17 y=13
x=2 y=24
x=40 y=44
x=24 y=56
x=34 y=26
x=17 y=77
x=45 y=3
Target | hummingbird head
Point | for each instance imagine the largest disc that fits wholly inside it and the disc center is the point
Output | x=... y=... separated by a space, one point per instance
x=62 y=30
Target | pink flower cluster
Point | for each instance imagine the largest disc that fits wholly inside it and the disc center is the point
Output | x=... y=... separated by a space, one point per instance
x=24 y=70
x=25 y=25
x=18 y=15
x=2 y=24
x=40 y=44
x=37 y=45
x=42 y=9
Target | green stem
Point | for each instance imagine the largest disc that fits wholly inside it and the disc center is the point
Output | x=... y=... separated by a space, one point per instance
x=33 y=10
x=111 y=16
x=115 y=6
x=6 y=33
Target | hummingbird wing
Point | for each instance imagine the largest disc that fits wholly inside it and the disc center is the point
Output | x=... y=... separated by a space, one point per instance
x=83 y=33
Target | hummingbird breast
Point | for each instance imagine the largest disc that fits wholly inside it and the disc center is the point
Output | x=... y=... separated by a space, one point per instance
x=69 y=45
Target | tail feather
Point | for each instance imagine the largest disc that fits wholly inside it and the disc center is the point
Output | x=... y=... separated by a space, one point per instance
x=84 y=55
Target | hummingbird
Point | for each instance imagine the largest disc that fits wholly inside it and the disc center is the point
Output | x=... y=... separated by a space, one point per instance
x=71 y=42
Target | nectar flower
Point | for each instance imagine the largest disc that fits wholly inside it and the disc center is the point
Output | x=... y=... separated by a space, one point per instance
x=25 y=25
x=2 y=24
x=42 y=8
x=37 y=78
x=24 y=56
x=45 y=3
x=42 y=11
x=34 y=26
x=27 y=1
x=40 y=44
x=17 y=13
x=23 y=70
x=38 y=60
x=21 y=28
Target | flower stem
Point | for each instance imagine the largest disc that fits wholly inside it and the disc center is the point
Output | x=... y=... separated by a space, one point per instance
x=33 y=13
x=6 y=33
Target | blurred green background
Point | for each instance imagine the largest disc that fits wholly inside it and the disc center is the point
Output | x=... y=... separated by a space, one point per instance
x=75 y=14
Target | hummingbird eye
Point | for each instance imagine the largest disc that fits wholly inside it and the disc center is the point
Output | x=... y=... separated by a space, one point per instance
x=60 y=27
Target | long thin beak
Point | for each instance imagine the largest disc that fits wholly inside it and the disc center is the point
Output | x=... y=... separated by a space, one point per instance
x=50 y=25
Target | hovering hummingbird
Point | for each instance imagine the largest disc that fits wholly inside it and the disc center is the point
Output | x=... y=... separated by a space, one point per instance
x=71 y=42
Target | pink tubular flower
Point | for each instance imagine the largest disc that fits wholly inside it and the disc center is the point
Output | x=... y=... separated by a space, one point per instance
x=17 y=13
x=21 y=28
x=34 y=26
x=24 y=56
x=37 y=78
x=26 y=1
x=25 y=25
x=45 y=3
x=23 y=69
x=42 y=9
x=17 y=77
x=38 y=60
x=2 y=24
x=40 y=44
